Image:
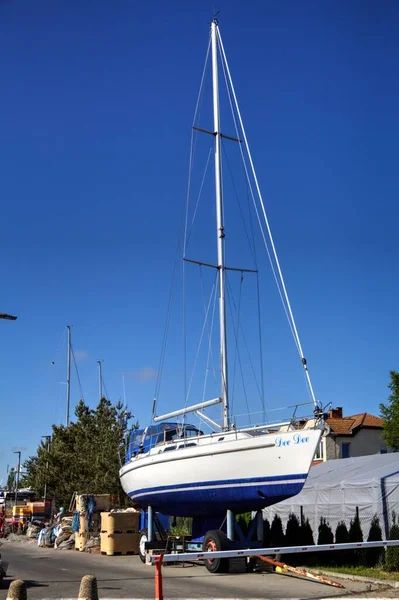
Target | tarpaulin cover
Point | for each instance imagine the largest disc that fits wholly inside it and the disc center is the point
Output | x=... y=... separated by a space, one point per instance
x=335 y=489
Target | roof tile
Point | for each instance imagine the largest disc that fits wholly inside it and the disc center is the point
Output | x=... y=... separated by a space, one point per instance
x=348 y=425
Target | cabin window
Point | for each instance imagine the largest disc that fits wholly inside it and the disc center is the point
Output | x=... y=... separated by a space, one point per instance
x=168 y=448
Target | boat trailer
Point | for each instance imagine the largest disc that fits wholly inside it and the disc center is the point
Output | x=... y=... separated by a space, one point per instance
x=209 y=534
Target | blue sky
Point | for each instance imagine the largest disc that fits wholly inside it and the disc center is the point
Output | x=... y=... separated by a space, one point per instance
x=97 y=103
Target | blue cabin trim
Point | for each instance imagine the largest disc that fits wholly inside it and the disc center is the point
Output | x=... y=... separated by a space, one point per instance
x=142 y=440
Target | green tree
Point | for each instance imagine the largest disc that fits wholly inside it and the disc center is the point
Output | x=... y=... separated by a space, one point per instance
x=292 y=538
x=356 y=535
x=390 y=413
x=342 y=557
x=374 y=556
x=309 y=558
x=392 y=553
x=325 y=536
x=276 y=532
x=84 y=457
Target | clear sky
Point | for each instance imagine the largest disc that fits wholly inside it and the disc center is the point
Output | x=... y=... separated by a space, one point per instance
x=97 y=101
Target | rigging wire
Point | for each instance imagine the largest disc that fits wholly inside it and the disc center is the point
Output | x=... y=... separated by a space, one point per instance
x=262 y=378
x=192 y=143
x=209 y=328
x=198 y=199
x=213 y=291
x=105 y=388
x=210 y=350
x=236 y=345
x=77 y=372
x=245 y=341
x=166 y=328
x=271 y=239
x=248 y=179
x=59 y=346
x=252 y=246
x=190 y=168
x=237 y=349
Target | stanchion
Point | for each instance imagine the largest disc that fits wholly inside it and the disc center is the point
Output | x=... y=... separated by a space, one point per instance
x=17 y=590
x=158 y=577
x=88 y=588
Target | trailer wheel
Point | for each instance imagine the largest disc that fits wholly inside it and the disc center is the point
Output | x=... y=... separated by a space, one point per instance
x=215 y=541
x=143 y=539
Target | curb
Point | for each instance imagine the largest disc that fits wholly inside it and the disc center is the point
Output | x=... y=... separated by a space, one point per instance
x=382 y=582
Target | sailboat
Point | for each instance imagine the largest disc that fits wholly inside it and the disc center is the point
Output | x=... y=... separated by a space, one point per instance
x=174 y=467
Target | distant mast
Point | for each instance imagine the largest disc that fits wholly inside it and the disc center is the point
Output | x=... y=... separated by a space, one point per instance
x=100 y=379
x=68 y=381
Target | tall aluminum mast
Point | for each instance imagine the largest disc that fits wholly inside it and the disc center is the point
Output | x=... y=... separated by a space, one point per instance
x=220 y=226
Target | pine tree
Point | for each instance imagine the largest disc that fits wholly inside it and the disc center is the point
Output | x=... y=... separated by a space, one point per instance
x=292 y=538
x=83 y=457
x=325 y=536
x=392 y=553
x=374 y=555
x=390 y=413
x=276 y=532
x=356 y=535
x=342 y=557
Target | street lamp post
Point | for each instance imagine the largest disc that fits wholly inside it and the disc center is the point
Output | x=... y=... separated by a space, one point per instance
x=18 y=470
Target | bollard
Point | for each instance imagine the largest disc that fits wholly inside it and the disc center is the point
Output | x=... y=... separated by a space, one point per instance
x=158 y=578
x=88 y=588
x=17 y=590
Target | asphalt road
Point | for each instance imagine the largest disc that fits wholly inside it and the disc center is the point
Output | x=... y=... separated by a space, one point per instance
x=57 y=574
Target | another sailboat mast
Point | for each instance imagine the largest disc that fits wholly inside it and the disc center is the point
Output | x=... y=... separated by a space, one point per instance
x=220 y=226
x=68 y=381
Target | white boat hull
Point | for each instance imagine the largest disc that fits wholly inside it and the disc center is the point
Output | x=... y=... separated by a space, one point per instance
x=232 y=470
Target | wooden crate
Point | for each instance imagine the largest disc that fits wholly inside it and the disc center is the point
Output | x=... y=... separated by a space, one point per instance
x=119 y=543
x=125 y=522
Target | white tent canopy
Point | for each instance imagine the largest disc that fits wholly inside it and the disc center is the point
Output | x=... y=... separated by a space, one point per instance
x=337 y=488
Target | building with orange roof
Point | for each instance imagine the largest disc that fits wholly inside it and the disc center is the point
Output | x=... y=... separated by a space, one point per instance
x=355 y=435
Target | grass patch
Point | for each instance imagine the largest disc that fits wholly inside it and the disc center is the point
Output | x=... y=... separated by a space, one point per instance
x=375 y=572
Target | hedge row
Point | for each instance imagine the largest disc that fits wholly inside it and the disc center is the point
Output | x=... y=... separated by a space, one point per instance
x=300 y=534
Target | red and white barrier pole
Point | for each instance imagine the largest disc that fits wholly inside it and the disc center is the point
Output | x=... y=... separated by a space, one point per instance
x=270 y=551
x=158 y=577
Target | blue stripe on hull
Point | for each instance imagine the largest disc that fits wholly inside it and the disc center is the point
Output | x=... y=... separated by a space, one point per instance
x=189 y=502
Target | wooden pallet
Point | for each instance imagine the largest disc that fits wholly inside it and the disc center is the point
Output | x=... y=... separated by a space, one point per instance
x=119 y=531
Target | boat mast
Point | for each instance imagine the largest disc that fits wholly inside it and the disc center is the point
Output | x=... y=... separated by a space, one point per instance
x=68 y=381
x=100 y=380
x=219 y=226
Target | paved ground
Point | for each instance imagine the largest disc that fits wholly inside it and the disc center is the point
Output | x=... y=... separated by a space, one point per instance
x=57 y=574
